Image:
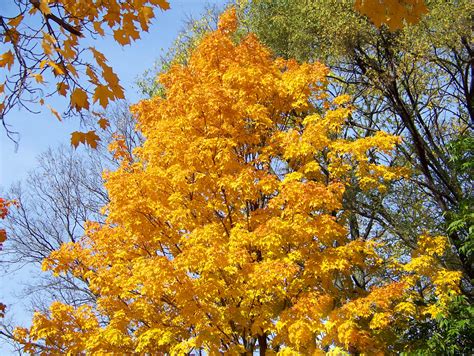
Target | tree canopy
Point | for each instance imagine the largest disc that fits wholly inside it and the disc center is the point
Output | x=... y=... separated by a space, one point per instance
x=229 y=235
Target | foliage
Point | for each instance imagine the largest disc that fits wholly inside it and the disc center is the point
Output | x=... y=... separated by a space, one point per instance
x=414 y=82
x=44 y=53
x=392 y=13
x=461 y=221
x=452 y=332
x=228 y=234
x=4 y=205
x=179 y=52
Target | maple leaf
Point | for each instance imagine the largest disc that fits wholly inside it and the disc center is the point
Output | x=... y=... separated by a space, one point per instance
x=62 y=88
x=103 y=123
x=89 y=138
x=98 y=28
x=7 y=59
x=163 y=4
x=103 y=94
x=92 y=139
x=38 y=78
x=79 y=99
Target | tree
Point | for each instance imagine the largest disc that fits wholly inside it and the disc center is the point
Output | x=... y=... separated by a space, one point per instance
x=179 y=52
x=416 y=82
x=227 y=231
x=44 y=53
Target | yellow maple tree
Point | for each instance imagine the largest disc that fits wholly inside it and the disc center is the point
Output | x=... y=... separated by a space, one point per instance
x=226 y=231
x=43 y=52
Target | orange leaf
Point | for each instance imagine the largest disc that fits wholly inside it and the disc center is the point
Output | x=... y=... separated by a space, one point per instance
x=79 y=99
x=163 y=4
x=103 y=123
x=62 y=88
x=98 y=28
x=92 y=139
x=55 y=113
x=14 y=22
x=88 y=138
x=102 y=93
x=3 y=235
x=7 y=59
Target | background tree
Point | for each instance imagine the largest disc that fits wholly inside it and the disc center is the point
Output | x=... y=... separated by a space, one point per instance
x=52 y=205
x=43 y=52
x=416 y=82
x=228 y=233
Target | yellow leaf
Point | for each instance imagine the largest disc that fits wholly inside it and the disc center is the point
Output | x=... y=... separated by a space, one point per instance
x=54 y=112
x=7 y=59
x=121 y=37
x=38 y=77
x=14 y=22
x=79 y=99
x=44 y=8
x=57 y=69
x=98 y=56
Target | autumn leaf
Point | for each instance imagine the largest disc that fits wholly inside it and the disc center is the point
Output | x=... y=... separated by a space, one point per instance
x=98 y=28
x=79 y=99
x=92 y=139
x=38 y=77
x=43 y=6
x=89 y=138
x=103 y=123
x=54 y=112
x=62 y=88
x=164 y=4
x=14 y=22
x=103 y=94
x=7 y=59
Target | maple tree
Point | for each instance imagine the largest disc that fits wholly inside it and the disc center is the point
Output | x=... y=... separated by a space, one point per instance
x=228 y=234
x=43 y=53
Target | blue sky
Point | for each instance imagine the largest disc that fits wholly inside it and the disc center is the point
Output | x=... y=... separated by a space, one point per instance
x=40 y=131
